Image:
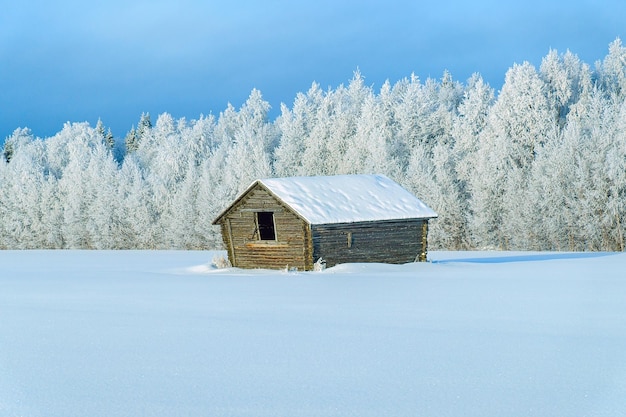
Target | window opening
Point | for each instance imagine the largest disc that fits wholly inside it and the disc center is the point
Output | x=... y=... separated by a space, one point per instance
x=265 y=222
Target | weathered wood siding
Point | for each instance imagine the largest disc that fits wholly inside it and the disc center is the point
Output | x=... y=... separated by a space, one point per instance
x=246 y=250
x=396 y=242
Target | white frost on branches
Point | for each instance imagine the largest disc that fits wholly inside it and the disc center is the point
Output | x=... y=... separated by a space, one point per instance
x=540 y=166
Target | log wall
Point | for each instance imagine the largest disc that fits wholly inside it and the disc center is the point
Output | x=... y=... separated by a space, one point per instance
x=395 y=242
x=291 y=249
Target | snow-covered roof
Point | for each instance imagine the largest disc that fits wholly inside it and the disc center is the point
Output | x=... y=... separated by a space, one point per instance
x=347 y=198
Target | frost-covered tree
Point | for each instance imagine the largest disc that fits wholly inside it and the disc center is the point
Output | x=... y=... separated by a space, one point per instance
x=397 y=149
x=431 y=176
x=253 y=139
x=214 y=195
x=519 y=123
x=138 y=215
x=370 y=150
x=561 y=74
x=136 y=135
x=612 y=71
x=294 y=126
x=317 y=158
x=554 y=191
x=19 y=138
x=88 y=199
x=101 y=130
x=348 y=103
x=21 y=180
x=425 y=111
x=487 y=193
x=130 y=141
x=103 y=223
x=143 y=127
x=467 y=127
x=603 y=174
x=184 y=231
x=431 y=169
x=521 y=114
x=542 y=165
x=107 y=135
x=410 y=112
x=7 y=151
x=615 y=168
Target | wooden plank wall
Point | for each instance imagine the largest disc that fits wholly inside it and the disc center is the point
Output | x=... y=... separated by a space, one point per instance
x=396 y=242
x=289 y=250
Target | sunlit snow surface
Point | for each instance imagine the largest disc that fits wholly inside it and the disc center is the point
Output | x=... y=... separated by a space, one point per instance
x=348 y=198
x=165 y=334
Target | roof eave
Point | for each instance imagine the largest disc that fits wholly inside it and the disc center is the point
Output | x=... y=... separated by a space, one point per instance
x=259 y=182
x=284 y=203
x=396 y=219
x=223 y=213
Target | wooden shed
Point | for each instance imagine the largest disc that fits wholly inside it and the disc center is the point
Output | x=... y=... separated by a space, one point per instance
x=293 y=222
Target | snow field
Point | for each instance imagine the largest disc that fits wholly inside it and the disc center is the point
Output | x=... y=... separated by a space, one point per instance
x=128 y=333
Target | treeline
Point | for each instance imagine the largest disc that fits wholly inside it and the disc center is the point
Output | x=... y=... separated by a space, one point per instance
x=540 y=166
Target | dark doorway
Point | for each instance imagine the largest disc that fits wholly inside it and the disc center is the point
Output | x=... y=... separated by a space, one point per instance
x=265 y=221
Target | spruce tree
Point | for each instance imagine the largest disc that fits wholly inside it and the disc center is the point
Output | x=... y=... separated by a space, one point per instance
x=131 y=141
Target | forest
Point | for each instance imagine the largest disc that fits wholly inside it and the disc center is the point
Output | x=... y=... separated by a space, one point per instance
x=541 y=165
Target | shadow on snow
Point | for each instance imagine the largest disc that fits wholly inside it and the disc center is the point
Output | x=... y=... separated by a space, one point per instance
x=531 y=257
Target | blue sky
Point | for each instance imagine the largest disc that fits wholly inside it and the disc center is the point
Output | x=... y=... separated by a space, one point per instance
x=70 y=60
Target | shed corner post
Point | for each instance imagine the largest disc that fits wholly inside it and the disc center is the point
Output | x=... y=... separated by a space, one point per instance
x=424 y=250
x=231 y=247
x=308 y=247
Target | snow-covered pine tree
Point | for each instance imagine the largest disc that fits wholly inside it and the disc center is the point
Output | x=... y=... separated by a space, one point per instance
x=293 y=125
x=612 y=71
x=468 y=124
x=253 y=141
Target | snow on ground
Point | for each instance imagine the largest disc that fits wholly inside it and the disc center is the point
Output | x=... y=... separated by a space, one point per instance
x=107 y=333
